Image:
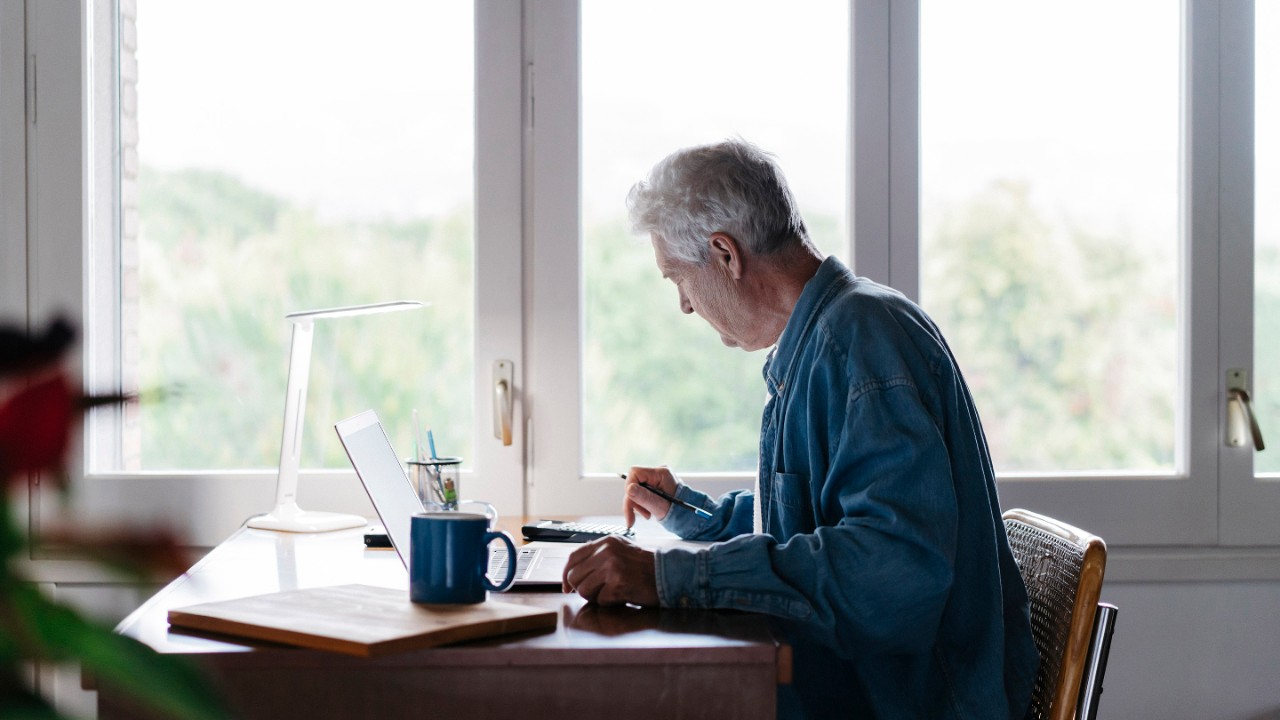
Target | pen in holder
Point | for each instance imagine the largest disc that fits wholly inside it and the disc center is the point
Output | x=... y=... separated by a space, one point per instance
x=439 y=485
x=437 y=481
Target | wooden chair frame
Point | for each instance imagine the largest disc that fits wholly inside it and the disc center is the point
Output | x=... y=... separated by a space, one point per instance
x=1072 y=668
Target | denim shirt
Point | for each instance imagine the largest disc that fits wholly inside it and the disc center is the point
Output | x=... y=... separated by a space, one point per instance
x=883 y=556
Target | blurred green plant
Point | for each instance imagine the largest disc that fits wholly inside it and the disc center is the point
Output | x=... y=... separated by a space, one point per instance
x=38 y=408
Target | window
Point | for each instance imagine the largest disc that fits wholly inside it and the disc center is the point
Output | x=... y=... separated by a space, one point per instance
x=1266 y=230
x=614 y=385
x=357 y=190
x=1129 y=180
x=1115 y=195
x=666 y=75
x=1049 y=225
x=369 y=180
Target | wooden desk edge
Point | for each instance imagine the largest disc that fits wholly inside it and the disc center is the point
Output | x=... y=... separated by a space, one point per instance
x=780 y=654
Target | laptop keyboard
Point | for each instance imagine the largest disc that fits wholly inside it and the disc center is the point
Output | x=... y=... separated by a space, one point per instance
x=500 y=559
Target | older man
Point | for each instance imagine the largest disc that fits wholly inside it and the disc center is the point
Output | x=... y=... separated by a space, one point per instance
x=874 y=532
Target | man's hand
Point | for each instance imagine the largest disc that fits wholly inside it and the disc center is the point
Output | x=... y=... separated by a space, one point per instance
x=638 y=500
x=612 y=571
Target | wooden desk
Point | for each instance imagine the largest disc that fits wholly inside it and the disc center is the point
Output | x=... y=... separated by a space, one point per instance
x=606 y=662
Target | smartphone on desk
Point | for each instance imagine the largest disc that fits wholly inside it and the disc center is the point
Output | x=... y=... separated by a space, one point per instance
x=376 y=537
x=560 y=531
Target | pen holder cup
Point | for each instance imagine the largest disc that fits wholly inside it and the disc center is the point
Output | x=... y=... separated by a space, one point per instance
x=438 y=483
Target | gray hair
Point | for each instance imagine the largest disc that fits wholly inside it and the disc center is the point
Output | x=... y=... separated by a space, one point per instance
x=731 y=187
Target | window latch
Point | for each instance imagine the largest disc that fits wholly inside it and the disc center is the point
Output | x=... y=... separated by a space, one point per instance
x=1242 y=424
x=502 y=401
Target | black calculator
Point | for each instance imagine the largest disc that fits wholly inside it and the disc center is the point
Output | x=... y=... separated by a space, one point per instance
x=558 y=531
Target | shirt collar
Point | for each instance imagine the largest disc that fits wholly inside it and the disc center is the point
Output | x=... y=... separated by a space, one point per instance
x=831 y=275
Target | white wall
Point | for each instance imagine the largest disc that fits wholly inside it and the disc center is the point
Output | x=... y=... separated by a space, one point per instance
x=1194 y=651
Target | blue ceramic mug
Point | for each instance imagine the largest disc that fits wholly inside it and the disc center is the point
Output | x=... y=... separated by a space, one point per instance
x=448 y=557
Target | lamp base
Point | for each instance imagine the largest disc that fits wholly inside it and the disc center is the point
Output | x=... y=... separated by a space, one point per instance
x=291 y=518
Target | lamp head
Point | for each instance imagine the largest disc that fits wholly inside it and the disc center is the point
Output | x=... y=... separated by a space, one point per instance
x=351 y=310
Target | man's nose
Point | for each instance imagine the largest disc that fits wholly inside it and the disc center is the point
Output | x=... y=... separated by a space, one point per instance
x=685 y=306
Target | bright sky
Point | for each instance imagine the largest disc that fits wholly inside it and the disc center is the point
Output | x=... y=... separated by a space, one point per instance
x=1267 y=124
x=370 y=113
x=357 y=109
x=1081 y=98
x=666 y=74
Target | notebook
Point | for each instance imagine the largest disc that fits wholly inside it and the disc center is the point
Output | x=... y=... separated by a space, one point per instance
x=358 y=619
x=396 y=502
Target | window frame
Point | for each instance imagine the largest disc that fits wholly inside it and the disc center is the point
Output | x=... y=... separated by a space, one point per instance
x=13 y=159
x=1212 y=497
x=1181 y=508
x=558 y=482
x=73 y=46
x=530 y=301
x=1178 y=509
x=1248 y=503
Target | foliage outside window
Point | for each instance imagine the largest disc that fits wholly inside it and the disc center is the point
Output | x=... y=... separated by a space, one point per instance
x=1049 y=225
x=256 y=183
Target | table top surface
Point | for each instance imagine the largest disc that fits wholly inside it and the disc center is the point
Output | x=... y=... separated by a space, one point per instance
x=253 y=562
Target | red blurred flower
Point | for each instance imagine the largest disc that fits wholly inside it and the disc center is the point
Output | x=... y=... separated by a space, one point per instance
x=35 y=426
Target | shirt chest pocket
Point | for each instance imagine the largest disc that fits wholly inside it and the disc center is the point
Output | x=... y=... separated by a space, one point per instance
x=793 y=509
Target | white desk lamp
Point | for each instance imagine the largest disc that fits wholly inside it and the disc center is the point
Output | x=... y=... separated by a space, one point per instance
x=287 y=516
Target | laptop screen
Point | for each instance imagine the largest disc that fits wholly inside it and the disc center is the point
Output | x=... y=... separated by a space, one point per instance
x=382 y=475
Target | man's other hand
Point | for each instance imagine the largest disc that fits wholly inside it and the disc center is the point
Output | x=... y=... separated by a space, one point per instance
x=612 y=571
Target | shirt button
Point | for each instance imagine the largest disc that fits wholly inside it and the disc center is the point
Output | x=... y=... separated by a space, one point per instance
x=684 y=601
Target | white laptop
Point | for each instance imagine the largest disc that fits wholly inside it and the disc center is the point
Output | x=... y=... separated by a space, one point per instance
x=396 y=502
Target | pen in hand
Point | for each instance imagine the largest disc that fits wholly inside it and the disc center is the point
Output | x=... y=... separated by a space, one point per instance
x=672 y=499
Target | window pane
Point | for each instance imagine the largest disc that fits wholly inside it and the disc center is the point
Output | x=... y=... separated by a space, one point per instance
x=1049 y=223
x=658 y=76
x=1266 y=283
x=288 y=156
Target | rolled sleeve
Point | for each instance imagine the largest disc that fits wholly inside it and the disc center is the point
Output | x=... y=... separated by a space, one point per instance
x=681 y=576
x=731 y=515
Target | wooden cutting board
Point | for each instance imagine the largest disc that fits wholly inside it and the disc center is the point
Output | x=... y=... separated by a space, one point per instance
x=358 y=619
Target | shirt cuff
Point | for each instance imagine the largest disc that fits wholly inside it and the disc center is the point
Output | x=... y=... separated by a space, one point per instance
x=683 y=521
x=681 y=575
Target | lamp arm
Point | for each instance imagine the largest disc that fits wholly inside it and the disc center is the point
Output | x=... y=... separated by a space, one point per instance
x=295 y=406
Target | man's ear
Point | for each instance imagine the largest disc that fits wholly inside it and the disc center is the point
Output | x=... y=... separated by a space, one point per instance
x=726 y=252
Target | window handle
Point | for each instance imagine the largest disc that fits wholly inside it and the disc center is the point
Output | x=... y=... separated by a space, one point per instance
x=502 y=404
x=1240 y=414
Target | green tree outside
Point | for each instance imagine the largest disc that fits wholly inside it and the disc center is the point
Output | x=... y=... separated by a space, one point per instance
x=220 y=266
x=1064 y=335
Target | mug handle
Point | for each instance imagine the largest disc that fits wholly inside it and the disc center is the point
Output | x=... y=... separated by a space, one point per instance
x=487 y=510
x=511 y=563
